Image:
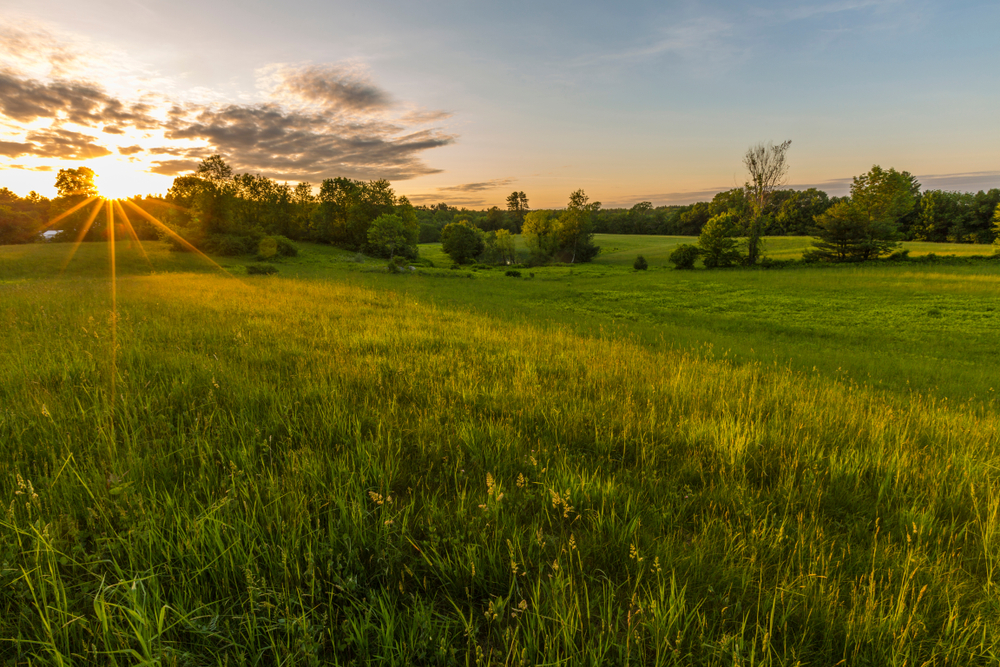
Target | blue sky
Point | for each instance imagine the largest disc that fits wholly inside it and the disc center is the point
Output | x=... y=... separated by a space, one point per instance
x=468 y=101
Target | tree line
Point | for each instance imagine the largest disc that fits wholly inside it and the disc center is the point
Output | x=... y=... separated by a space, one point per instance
x=230 y=214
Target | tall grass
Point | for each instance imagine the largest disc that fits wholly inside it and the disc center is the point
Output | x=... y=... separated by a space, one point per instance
x=286 y=472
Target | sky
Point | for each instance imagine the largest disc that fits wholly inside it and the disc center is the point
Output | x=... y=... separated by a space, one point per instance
x=464 y=102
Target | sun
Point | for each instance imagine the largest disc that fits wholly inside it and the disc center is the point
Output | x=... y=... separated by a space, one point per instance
x=120 y=179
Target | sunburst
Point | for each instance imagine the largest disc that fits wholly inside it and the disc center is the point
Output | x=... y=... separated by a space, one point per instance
x=117 y=220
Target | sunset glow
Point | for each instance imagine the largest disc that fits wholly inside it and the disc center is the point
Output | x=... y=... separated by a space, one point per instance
x=120 y=179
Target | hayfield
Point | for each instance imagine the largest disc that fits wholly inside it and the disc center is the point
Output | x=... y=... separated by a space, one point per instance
x=586 y=465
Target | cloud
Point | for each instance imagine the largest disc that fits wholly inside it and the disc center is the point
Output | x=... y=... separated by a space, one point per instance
x=478 y=187
x=59 y=144
x=962 y=182
x=15 y=149
x=321 y=121
x=173 y=167
x=334 y=87
x=297 y=145
x=461 y=195
x=25 y=100
x=65 y=145
x=31 y=46
x=26 y=168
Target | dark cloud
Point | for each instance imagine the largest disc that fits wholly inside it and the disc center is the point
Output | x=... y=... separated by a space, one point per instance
x=478 y=187
x=336 y=88
x=173 y=167
x=349 y=133
x=296 y=145
x=25 y=100
x=15 y=149
x=65 y=145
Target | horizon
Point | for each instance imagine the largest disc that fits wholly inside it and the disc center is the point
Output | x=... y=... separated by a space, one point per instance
x=463 y=105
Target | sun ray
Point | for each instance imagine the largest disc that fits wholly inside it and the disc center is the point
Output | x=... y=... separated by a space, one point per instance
x=114 y=309
x=131 y=231
x=175 y=236
x=69 y=212
x=79 y=237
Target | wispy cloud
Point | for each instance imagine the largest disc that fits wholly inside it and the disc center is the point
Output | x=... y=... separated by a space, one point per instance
x=335 y=87
x=464 y=194
x=478 y=187
x=704 y=38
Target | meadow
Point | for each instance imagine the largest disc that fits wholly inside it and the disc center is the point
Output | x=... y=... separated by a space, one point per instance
x=581 y=465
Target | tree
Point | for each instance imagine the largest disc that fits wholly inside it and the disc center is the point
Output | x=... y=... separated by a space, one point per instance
x=517 y=205
x=462 y=241
x=504 y=242
x=840 y=232
x=996 y=227
x=884 y=196
x=767 y=168
x=214 y=170
x=574 y=228
x=716 y=243
x=16 y=226
x=76 y=182
x=389 y=236
x=493 y=220
x=867 y=225
x=539 y=234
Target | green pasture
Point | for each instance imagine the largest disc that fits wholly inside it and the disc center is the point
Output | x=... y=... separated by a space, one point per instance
x=583 y=465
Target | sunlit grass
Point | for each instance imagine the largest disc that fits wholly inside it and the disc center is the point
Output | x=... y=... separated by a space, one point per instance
x=296 y=472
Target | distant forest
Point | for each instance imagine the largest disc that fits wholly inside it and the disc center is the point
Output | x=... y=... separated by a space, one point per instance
x=230 y=213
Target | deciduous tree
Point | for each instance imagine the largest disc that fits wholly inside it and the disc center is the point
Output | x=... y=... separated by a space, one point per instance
x=767 y=168
x=73 y=182
x=462 y=241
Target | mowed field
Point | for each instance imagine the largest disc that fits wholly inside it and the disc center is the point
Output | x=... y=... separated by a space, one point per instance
x=580 y=465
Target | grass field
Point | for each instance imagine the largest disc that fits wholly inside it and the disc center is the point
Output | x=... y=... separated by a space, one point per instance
x=587 y=465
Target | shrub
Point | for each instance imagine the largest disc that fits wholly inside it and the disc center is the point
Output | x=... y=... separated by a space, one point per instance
x=899 y=255
x=512 y=273
x=640 y=263
x=267 y=248
x=230 y=245
x=684 y=256
x=261 y=269
x=397 y=264
x=285 y=247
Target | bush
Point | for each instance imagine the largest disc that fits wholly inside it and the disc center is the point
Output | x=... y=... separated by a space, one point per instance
x=899 y=255
x=261 y=269
x=267 y=248
x=397 y=264
x=684 y=256
x=230 y=245
x=640 y=263
x=285 y=247
x=513 y=274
